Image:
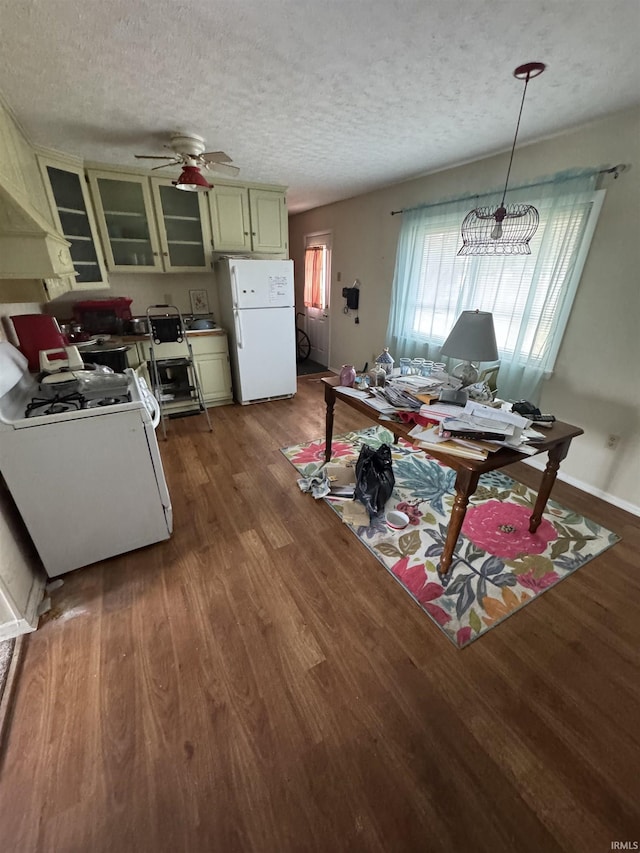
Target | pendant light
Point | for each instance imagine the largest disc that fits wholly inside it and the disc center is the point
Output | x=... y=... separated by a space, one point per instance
x=505 y=230
x=192 y=180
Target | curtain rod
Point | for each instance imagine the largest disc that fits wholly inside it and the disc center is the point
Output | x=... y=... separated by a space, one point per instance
x=614 y=170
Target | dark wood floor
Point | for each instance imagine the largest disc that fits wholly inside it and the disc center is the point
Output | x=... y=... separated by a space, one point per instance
x=261 y=683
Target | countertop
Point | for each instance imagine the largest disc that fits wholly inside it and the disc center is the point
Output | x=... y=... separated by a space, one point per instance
x=195 y=333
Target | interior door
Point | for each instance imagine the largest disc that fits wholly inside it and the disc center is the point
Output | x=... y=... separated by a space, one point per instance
x=318 y=332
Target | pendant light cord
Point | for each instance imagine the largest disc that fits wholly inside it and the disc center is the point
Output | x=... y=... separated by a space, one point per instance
x=513 y=147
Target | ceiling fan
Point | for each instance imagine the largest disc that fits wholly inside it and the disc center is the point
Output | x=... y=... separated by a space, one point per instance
x=188 y=152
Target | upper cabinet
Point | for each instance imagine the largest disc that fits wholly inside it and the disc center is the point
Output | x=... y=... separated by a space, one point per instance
x=269 y=222
x=248 y=219
x=147 y=225
x=183 y=225
x=66 y=188
x=125 y=218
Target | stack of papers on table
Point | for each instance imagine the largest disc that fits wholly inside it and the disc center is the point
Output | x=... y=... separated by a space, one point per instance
x=429 y=438
x=378 y=403
x=475 y=431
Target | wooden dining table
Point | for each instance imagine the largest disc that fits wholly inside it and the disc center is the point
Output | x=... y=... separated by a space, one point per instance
x=556 y=443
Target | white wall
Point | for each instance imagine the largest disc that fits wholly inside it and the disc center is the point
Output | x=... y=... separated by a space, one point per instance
x=595 y=384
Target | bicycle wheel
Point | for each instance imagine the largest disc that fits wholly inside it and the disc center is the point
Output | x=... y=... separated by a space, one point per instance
x=303 y=345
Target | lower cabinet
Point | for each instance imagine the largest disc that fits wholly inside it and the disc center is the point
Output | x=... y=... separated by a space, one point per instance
x=210 y=359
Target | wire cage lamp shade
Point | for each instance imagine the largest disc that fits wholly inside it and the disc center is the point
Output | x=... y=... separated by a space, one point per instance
x=505 y=230
x=518 y=224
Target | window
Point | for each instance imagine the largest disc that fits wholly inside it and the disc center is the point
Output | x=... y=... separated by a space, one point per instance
x=316 y=271
x=530 y=296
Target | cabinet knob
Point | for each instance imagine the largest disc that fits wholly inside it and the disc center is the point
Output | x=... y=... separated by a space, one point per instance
x=165 y=254
x=155 y=254
x=253 y=233
x=246 y=233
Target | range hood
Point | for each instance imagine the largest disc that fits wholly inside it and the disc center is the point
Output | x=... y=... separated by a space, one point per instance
x=29 y=248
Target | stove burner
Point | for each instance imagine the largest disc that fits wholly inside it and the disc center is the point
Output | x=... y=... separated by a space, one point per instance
x=55 y=405
x=105 y=401
x=72 y=402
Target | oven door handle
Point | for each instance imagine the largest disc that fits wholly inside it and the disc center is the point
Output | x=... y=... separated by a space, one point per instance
x=153 y=404
x=150 y=402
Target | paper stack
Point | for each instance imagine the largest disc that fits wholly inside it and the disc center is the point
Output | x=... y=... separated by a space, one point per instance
x=475 y=431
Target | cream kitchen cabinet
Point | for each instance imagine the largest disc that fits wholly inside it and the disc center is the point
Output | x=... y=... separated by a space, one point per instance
x=30 y=248
x=211 y=360
x=183 y=225
x=248 y=219
x=124 y=209
x=148 y=226
x=71 y=210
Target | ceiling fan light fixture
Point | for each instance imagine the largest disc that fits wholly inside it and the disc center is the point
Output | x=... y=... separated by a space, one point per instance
x=192 y=180
x=505 y=230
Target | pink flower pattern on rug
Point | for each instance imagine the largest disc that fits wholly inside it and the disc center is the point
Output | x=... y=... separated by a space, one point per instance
x=315 y=452
x=502 y=529
x=416 y=580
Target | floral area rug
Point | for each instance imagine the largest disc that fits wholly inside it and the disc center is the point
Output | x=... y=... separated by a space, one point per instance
x=498 y=566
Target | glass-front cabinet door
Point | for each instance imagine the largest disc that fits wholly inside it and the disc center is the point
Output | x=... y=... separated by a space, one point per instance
x=125 y=218
x=183 y=223
x=71 y=209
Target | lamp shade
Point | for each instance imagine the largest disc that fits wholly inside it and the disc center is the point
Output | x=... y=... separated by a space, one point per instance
x=192 y=180
x=473 y=338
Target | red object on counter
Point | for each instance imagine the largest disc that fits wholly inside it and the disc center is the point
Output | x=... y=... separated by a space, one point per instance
x=37 y=332
x=103 y=315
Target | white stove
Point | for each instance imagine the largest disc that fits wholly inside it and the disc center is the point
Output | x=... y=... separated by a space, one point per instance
x=82 y=464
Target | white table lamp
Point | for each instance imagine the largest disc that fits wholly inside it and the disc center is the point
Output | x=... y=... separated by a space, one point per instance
x=472 y=339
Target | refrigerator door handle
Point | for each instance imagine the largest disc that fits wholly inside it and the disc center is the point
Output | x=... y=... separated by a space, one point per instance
x=238 y=324
x=234 y=286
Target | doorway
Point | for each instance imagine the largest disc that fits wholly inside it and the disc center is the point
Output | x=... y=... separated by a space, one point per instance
x=317 y=295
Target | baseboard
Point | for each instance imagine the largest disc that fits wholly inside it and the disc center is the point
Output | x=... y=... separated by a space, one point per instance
x=6 y=702
x=540 y=464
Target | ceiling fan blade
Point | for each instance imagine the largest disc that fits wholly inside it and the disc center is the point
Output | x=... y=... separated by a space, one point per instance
x=164 y=165
x=216 y=156
x=223 y=169
x=153 y=157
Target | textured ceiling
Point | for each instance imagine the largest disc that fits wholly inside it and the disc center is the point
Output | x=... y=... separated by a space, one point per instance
x=330 y=98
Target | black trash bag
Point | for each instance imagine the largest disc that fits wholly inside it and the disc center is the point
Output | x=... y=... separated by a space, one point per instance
x=374 y=478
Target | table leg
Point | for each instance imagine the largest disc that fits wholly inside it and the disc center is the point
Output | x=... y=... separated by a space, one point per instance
x=330 y=400
x=466 y=482
x=556 y=455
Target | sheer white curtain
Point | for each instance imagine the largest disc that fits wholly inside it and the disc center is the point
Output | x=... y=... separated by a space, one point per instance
x=530 y=296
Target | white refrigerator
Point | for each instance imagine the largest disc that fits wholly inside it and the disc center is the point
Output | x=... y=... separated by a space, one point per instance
x=257 y=310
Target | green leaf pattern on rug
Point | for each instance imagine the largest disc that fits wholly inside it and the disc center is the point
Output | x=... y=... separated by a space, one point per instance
x=536 y=564
x=474 y=621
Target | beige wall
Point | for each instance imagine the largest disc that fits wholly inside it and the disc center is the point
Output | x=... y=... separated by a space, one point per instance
x=595 y=383
x=144 y=289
